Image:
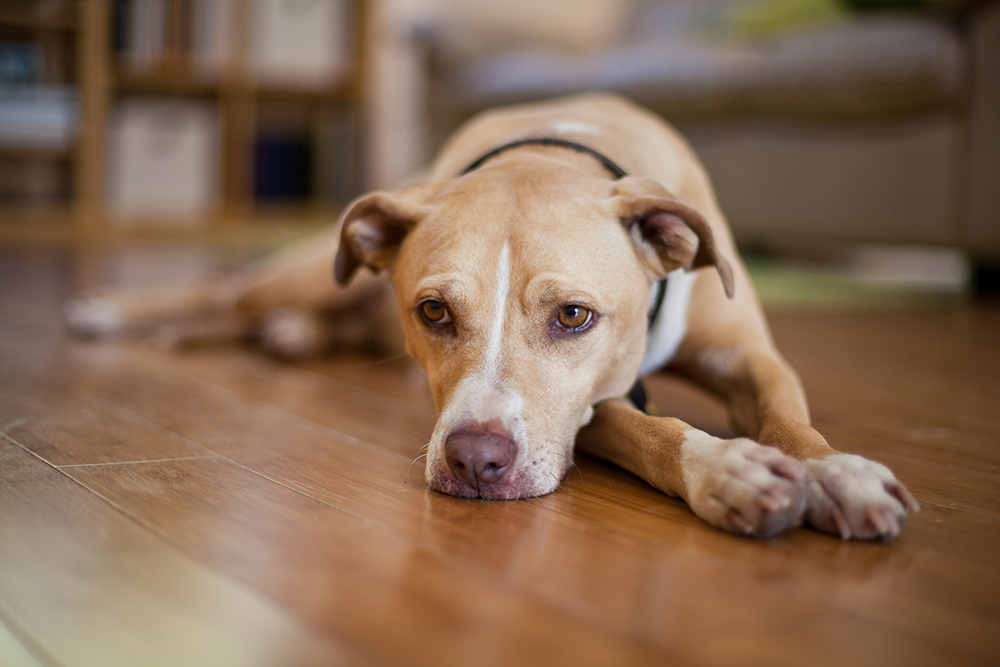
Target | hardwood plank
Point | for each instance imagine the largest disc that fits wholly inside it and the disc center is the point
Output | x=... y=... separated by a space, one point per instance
x=275 y=531
x=64 y=427
x=361 y=412
x=938 y=370
x=14 y=649
x=400 y=598
x=674 y=396
x=99 y=590
x=618 y=522
x=375 y=373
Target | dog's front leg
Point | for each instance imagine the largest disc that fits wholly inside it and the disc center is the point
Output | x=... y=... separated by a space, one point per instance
x=846 y=495
x=737 y=485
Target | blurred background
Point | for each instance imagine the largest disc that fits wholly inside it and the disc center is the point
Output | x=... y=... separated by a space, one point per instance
x=850 y=141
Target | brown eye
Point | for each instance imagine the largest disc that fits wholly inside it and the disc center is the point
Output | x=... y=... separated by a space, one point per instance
x=573 y=317
x=434 y=311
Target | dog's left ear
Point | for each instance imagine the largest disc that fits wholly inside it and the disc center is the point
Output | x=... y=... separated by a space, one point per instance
x=374 y=226
x=669 y=234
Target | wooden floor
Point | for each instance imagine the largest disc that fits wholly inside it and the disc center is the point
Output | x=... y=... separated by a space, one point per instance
x=221 y=508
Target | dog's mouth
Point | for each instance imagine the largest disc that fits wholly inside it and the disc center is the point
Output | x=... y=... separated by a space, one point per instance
x=514 y=486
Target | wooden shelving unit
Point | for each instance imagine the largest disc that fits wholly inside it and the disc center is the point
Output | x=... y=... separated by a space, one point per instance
x=47 y=25
x=242 y=104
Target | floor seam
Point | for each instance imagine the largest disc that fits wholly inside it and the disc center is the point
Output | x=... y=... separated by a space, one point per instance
x=123 y=463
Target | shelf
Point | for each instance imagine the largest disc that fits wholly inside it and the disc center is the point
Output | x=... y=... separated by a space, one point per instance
x=60 y=15
x=28 y=153
x=36 y=224
x=166 y=84
x=169 y=84
x=57 y=226
x=316 y=211
x=107 y=80
x=341 y=91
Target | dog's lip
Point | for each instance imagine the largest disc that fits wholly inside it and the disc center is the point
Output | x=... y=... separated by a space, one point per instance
x=513 y=489
x=490 y=492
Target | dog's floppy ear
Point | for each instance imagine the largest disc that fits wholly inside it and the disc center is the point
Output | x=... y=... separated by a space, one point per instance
x=373 y=228
x=669 y=234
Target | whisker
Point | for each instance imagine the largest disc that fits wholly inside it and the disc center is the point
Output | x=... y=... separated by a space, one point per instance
x=420 y=456
x=417 y=439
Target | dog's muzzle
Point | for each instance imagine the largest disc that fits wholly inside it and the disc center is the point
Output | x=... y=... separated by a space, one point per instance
x=482 y=459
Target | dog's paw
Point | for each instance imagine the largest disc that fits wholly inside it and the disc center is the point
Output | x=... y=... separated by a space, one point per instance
x=92 y=316
x=741 y=486
x=291 y=333
x=855 y=498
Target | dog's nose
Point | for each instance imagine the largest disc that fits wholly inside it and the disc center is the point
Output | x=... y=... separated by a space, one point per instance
x=479 y=458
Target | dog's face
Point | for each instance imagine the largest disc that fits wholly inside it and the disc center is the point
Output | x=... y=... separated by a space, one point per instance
x=523 y=288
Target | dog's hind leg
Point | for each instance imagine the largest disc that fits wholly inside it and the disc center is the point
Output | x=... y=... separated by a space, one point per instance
x=286 y=298
x=301 y=276
x=112 y=309
x=302 y=310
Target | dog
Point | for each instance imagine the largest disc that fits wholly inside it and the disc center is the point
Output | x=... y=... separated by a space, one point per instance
x=557 y=252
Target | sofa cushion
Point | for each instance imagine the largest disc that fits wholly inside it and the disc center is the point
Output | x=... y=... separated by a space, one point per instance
x=864 y=66
x=882 y=64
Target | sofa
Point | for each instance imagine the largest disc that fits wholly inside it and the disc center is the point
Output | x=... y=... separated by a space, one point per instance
x=819 y=122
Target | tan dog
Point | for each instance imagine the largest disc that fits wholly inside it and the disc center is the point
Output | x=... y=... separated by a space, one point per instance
x=525 y=284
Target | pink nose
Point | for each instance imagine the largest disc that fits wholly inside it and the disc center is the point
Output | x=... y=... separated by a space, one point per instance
x=479 y=458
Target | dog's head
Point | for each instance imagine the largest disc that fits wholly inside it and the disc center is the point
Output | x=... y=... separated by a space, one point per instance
x=523 y=288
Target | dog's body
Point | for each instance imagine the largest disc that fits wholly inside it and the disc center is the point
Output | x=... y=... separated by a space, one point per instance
x=524 y=287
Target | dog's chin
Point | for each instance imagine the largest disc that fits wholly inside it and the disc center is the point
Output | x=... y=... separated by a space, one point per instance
x=518 y=487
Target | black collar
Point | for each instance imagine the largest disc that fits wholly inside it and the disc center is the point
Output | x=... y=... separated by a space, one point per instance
x=605 y=161
x=637 y=394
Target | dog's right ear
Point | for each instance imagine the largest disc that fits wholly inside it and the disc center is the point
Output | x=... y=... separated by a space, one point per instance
x=374 y=226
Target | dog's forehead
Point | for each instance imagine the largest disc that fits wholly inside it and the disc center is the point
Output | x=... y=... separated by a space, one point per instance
x=520 y=188
x=547 y=219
